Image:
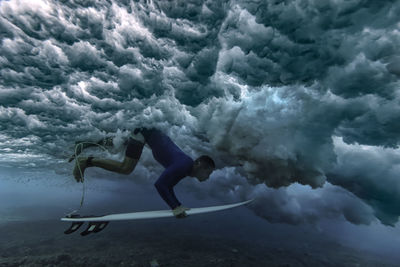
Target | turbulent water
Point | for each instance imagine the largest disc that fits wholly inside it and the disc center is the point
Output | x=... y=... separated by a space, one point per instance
x=297 y=101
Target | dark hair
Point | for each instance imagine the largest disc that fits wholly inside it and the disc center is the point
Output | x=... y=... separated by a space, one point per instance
x=207 y=160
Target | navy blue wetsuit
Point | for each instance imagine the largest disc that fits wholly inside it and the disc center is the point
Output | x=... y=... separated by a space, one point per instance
x=177 y=164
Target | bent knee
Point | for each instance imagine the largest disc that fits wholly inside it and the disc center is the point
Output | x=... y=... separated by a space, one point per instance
x=127 y=169
x=128 y=165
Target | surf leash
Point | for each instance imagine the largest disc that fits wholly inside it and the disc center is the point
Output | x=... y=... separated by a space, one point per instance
x=80 y=145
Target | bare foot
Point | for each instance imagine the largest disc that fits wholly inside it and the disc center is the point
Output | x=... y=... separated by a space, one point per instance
x=81 y=162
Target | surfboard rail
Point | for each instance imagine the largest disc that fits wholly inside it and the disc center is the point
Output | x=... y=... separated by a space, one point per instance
x=98 y=223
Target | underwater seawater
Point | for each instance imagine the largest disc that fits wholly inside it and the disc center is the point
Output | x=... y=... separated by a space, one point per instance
x=294 y=103
x=32 y=233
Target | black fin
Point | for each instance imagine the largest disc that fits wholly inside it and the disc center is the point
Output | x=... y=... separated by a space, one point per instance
x=74 y=226
x=100 y=226
x=94 y=227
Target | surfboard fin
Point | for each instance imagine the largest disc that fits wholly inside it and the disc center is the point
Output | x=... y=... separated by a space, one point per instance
x=74 y=226
x=94 y=227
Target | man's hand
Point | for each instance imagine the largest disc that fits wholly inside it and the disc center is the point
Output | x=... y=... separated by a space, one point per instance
x=179 y=212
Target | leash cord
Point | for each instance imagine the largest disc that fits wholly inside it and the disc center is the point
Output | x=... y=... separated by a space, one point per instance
x=80 y=145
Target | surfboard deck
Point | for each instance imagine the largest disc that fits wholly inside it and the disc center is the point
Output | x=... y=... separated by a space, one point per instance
x=98 y=223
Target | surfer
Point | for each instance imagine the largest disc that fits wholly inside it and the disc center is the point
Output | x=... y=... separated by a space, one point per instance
x=177 y=164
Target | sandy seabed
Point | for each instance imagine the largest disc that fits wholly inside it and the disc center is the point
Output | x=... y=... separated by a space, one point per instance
x=168 y=242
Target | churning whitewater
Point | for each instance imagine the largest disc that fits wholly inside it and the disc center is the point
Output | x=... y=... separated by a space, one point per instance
x=297 y=101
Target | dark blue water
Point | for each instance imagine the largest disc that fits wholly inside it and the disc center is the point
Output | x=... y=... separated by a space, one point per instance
x=32 y=233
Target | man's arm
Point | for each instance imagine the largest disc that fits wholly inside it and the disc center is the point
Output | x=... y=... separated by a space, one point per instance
x=164 y=186
x=166 y=191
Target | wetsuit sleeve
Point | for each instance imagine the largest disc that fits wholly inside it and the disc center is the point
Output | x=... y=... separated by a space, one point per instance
x=165 y=184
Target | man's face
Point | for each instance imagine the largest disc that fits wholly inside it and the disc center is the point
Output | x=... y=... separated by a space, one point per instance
x=203 y=173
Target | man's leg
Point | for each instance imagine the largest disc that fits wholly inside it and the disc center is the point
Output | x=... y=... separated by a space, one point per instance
x=132 y=156
x=124 y=167
x=81 y=145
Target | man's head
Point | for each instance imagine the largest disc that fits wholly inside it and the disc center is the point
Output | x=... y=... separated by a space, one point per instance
x=202 y=168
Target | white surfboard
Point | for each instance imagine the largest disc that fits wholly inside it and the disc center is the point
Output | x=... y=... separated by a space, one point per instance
x=150 y=214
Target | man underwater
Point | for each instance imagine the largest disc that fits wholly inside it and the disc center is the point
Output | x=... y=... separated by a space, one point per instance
x=177 y=164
